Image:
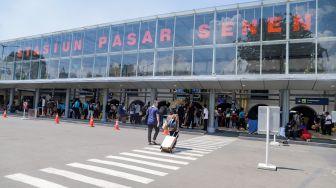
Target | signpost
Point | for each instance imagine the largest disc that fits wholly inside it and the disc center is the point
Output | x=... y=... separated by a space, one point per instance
x=268 y=122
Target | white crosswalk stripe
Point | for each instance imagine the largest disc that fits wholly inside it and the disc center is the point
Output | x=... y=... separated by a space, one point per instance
x=144 y=162
x=165 y=155
x=82 y=178
x=132 y=167
x=154 y=158
x=191 y=148
x=200 y=146
x=177 y=152
x=36 y=182
x=110 y=172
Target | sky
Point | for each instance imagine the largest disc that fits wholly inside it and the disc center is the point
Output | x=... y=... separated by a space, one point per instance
x=22 y=18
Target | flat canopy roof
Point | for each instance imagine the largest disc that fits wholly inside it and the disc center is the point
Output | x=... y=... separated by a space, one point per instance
x=258 y=82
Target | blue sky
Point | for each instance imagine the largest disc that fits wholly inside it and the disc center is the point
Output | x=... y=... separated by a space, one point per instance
x=20 y=18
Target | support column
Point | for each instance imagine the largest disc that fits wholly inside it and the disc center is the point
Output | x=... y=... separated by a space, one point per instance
x=285 y=96
x=11 y=98
x=36 y=102
x=153 y=95
x=211 y=127
x=66 y=103
x=105 y=96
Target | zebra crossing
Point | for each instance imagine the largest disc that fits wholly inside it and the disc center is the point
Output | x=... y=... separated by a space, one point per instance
x=139 y=166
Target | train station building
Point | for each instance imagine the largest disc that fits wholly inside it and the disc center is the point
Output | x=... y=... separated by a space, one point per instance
x=271 y=52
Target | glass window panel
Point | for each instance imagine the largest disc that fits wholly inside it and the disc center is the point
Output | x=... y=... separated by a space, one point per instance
x=64 y=68
x=145 y=64
x=163 y=63
x=248 y=60
x=147 y=34
x=202 y=61
x=226 y=27
x=302 y=58
x=303 y=19
x=77 y=44
x=100 y=66
x=131 y=36
x=10 y=71
x=249 y=27
x=2 y=51
x=34 y=69
x=274 y=22
x=326 y=56
x=326 y=15
x=2 y=69
x=225 y=61
x=43 y=69
x=117 y=38
x=182 y=62
x=89 y=41
x=87 y=67
x=204 y=26
x=66 y=44
x=164 y=37
x=52 y=69
x=274 y=59
x=184 y=31
x=36 y=47
x=102 y=40
x=115 y=65
x=56 y=45
x=10 y=51
x=18 y=51
x=45 y=47
x=75 y=67
x=25 y=70
x=129 y=65
x=27 y=50
x=17 y=70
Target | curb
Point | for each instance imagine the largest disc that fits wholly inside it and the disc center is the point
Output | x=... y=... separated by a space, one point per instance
x=291 y=142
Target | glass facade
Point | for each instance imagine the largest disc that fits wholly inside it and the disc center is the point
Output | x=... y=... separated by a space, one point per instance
x=252 y=39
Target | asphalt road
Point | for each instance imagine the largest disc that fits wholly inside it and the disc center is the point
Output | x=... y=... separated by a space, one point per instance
x=39 y=153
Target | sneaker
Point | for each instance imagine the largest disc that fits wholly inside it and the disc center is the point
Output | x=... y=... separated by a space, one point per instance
x=154 y=143
x=149 y=143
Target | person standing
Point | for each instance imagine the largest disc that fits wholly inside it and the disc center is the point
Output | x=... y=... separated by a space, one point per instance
x=181 y=113
x=328 y=123
x=153 y=122
x=205 y=117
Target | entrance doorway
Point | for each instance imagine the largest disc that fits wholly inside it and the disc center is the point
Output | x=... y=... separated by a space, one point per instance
x=307 y=112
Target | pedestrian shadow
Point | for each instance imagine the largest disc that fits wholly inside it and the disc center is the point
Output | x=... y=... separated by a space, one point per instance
x=182 y=149
x=286 y=168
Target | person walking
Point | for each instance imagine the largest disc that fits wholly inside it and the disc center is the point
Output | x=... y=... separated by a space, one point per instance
x=153 y=122
x=205 y=117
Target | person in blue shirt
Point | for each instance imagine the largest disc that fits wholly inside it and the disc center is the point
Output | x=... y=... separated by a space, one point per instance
x=153 y=122
x=242 y=118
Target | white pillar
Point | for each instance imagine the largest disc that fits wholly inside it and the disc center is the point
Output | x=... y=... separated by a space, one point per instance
x=66 y=103
x=285 y=106
x=211 y=127
x=105 y=96
x=11 y=98
x=153 y=95
x=36 y=101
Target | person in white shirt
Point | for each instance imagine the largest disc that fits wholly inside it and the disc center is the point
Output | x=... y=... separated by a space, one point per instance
x=328 y=123
x=205 y=117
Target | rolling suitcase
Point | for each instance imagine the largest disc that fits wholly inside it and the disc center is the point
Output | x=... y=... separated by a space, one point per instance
x=169 y=143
